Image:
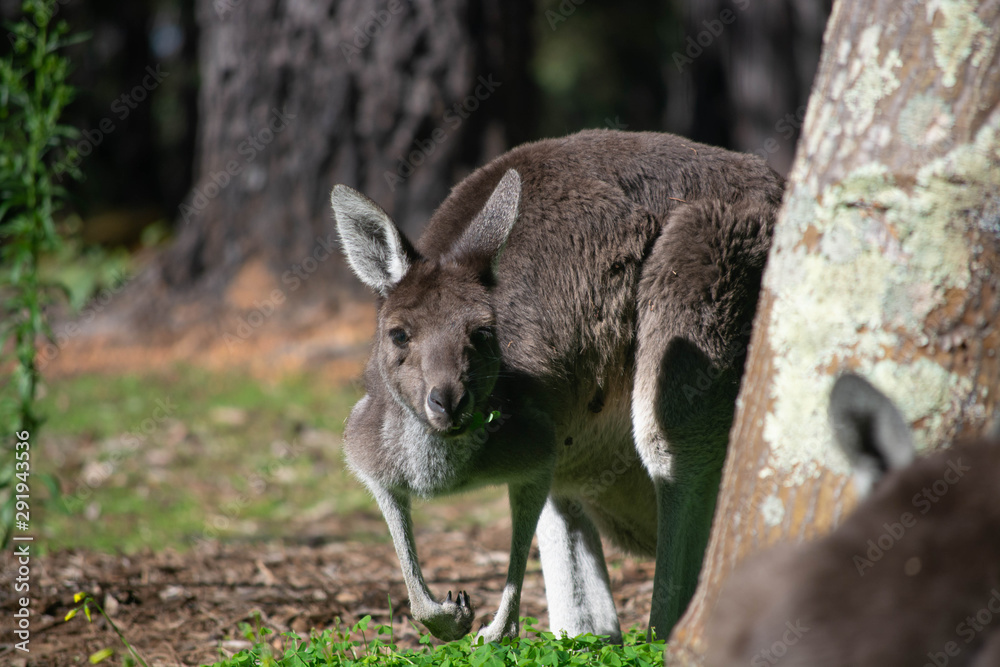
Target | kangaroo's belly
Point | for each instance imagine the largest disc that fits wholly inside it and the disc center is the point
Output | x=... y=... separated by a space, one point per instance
x=598 y=467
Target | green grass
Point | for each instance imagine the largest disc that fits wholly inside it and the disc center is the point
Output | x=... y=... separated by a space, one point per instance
x=366 y=644
x=170 y=459
x=165 y=460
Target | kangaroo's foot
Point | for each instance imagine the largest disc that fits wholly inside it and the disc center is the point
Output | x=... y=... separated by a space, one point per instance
x=448 y=620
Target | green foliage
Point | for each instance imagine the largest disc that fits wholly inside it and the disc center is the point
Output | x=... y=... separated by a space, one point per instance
x=33 y=94
x=342 y=648
x=85 y=602
x=86 y=272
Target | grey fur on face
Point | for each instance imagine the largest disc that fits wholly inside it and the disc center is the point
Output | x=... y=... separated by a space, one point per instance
x=595 y=292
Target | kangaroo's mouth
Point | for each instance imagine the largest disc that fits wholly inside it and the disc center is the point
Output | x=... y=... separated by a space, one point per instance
x=458 y=429
x=445 y=426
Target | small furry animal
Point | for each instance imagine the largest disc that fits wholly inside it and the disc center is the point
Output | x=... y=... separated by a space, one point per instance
x=572 y=324
x=912 y=576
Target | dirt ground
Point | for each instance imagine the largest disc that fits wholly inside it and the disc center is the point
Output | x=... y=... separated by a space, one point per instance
x=187 y=609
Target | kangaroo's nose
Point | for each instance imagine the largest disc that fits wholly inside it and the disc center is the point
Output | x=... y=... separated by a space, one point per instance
x=445 y=401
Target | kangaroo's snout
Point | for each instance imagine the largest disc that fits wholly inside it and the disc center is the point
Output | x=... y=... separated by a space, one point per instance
x=445 y=403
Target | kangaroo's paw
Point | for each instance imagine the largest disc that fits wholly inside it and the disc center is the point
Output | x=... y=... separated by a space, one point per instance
x=450 y=619
x=495 y=632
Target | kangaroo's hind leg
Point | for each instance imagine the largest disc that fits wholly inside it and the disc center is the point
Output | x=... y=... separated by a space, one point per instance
x=697 y=296
x=577 y=586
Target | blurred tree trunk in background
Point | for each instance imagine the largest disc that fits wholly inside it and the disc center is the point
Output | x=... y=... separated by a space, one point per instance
x=398 y=99
x=402 y=98
x=886 y=261
x=741 y=73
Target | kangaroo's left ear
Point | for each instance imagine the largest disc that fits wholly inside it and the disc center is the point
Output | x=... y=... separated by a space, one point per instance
x=486 y=236
x=375 y=247
x=869 y=429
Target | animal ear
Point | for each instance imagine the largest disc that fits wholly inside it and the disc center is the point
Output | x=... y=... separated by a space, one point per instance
x=869 y=429
x=377 y=251
x=487 y=234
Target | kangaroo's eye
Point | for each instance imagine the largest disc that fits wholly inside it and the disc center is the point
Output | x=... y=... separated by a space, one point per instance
x=399 y=337
x=482 y=335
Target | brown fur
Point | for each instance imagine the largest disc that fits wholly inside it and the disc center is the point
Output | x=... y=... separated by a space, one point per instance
x=912 y=604
x=630 y=274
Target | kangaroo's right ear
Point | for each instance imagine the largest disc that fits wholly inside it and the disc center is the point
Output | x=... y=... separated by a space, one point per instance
x=486 y=236
x=869 y=429
x=377 y=251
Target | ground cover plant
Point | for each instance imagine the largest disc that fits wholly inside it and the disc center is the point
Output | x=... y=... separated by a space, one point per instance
x=366 y=643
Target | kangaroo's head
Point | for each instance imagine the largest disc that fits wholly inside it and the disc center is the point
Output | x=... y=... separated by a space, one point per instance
x=435 y=345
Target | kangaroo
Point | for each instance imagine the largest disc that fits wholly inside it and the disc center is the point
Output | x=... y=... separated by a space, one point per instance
x=571 y=324
x=912 y=576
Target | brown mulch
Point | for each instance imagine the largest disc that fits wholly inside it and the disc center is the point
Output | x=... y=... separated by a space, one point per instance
x=186 y=609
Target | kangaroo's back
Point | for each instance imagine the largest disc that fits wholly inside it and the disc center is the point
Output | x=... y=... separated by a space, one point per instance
x=592 y=206
x=648 y=169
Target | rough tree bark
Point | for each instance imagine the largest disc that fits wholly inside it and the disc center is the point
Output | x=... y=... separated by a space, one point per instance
x=398 y=99
x=886 y=261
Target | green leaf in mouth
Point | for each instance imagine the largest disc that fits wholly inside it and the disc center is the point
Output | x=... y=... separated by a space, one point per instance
x=477 y=421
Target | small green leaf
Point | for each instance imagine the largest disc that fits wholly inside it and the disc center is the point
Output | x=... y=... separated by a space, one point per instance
x=101 y=655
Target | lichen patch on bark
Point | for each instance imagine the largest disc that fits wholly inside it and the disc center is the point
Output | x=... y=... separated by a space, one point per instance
x=882 y=258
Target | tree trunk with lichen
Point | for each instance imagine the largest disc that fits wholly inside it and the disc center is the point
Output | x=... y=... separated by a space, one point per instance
x=886 y=261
